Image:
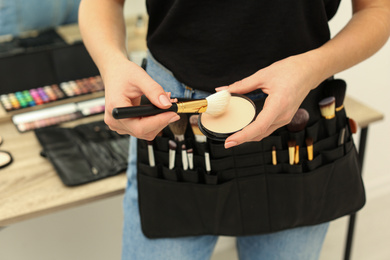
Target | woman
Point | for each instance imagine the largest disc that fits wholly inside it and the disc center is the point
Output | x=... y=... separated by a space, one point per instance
x=276 y=49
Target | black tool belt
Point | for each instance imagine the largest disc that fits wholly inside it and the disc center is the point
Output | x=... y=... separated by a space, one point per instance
x=85 y=153
x=245 y=193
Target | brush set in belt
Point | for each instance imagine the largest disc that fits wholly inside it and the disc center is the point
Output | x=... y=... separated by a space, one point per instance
x=85 y=153
x=305 y=173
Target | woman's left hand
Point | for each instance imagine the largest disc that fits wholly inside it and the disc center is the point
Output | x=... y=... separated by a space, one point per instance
x=287 y=83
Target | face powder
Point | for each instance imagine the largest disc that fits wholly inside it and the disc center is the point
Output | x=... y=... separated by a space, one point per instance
x=240 y=113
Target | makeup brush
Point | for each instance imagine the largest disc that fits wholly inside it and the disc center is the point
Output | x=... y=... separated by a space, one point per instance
x=353 y=125
x=291 y=151
x=199 y=136
x=184 y=157
x=274 y=160
x=336 y=88
x=172 y=153
x=190 y=156
x=214 y=104
x=299 y=121
x=152 y=162
x=341 y=136
x=296 y=155
x=179 y=127
x=327 y=107
x=309 y=147
x=297 y=124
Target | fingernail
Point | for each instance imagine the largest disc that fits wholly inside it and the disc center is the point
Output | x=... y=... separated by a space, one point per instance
x=230 y=144
x=174 y=119
x=221 y=88
x=164 y=100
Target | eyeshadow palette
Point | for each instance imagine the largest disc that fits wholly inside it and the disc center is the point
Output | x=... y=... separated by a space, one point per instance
x=50 y=93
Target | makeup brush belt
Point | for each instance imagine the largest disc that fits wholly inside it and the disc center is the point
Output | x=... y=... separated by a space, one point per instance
x=246 y=192
x=85 y=153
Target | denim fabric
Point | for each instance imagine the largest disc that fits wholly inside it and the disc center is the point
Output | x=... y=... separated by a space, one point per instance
x=303 y=243
x=17 y=16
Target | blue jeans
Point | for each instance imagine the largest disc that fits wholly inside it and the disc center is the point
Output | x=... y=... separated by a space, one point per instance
x=17 y=16
x=302 y=243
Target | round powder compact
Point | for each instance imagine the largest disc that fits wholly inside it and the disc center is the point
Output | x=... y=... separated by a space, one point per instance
x=240 y=113
x=5 y=159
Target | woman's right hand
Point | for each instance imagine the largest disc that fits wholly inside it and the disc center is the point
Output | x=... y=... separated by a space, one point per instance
x=125 y=82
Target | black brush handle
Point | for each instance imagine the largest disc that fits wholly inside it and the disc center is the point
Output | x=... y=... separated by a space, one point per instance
x=140 y=111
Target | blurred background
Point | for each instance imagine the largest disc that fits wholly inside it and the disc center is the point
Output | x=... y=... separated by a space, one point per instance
x=93 y=231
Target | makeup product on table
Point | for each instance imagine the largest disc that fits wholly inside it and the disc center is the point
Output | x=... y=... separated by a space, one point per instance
x=214 y=104
x=5 y=159
x=309 y=147
x=172 y=154
x=50 y=93
x=58 y=114
x=327 y=107
x=240 y=112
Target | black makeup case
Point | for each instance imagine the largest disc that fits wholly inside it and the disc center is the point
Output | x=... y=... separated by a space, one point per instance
x=244 y=193
x=85 y=153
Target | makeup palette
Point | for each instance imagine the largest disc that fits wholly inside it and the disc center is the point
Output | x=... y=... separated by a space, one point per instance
x=240 y=113
x=58 y=114
x=51 y=93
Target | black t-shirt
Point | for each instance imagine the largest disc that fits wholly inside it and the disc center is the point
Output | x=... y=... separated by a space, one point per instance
x=212 y=43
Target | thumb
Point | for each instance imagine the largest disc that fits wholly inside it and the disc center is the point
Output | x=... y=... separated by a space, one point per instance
x=154 y=92
x=245 y=85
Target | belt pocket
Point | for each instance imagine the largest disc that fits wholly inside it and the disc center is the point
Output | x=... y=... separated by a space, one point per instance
x=172 y=209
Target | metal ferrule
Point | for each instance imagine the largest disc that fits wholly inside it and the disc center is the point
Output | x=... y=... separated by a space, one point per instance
x=339 y=108
x=195 y=106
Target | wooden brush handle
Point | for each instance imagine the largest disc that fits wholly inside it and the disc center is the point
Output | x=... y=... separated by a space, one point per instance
x=140 y=111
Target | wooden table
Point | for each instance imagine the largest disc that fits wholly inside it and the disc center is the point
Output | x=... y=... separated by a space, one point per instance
x=30 y=187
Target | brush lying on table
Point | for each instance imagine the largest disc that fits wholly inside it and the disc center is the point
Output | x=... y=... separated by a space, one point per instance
x=214 y=104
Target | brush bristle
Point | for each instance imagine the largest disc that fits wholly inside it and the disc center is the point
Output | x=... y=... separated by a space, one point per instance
x=194 y=125
x=218 y=102
x=309 y=141
x=336 y=88
x=179 y=127
x=327 y=107
x=291 y=143
x=299 y=121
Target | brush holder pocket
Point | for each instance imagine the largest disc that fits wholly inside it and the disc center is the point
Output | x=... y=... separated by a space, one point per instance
x=244 y=193
x=85 y=153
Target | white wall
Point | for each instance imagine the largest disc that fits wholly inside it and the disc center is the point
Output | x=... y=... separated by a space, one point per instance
x=94 y=231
